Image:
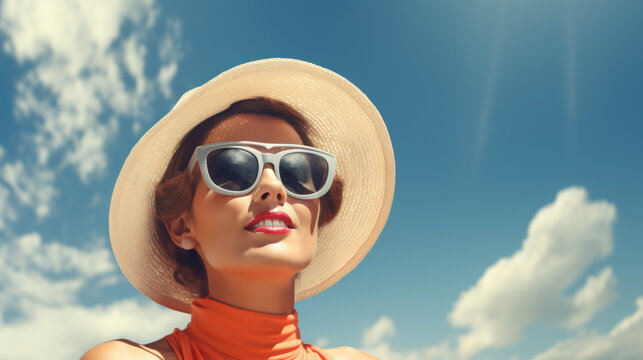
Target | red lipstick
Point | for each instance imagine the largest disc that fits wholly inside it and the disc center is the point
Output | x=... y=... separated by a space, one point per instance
x=270 y=222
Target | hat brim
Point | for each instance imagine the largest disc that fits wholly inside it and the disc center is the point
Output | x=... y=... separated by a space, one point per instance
x=343 y=121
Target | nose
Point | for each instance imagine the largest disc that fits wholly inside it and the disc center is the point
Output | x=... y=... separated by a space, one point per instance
x=269 y=188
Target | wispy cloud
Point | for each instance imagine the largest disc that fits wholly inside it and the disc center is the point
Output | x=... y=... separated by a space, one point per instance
x=382 y=329
x=170 y=52
x=84 y=71
x=40 y=298
x=7 y=213
x=68 y=331
x=563 y=240
x=623 y=342
x=377 y=341
x=34 y=272
x=88 y=66
x=490 y=89
x=33 y=189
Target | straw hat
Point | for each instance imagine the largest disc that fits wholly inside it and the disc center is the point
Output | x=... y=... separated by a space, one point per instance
x=342 y=121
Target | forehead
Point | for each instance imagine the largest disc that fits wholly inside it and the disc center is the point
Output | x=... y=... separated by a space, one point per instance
x=253 y=127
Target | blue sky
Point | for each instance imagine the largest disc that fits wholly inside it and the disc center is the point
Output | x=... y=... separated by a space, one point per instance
x=516 y=227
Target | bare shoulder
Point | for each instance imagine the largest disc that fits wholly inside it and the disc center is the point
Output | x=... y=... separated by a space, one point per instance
x=349 y=353
x=123 y=349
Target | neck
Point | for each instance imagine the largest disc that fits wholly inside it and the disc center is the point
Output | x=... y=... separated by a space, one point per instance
x=265 y=294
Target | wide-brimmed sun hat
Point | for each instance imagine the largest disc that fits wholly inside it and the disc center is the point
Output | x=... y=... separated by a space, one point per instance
x=342 y=120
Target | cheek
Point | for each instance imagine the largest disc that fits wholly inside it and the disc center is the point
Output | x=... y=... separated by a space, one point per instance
x=308 y=213
x=216 y=223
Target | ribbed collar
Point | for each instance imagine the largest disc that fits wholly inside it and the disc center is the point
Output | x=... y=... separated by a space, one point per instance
x=244 y=334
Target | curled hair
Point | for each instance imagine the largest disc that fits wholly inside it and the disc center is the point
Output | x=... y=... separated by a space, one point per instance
x=176 y=189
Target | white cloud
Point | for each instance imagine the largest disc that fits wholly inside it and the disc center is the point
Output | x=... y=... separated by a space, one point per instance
x=170 y=47
x=134 y=58
x=376 y=341
x=67 y=331
x=165 y=76
x=32 y=187
x=563 y=240
x=61 y=25
x=40 y=285
x=624 y=342
x=30 y=252
x=89 y=156
x=598 y=292
x=7 y=213
x=84 y=67
x=170 y=54
x=382 y=329
x=33 y=272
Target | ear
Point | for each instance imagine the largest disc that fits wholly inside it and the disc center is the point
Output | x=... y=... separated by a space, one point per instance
x=180 y=232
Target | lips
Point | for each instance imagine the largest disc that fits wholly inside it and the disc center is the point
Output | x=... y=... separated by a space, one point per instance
x=270 y=222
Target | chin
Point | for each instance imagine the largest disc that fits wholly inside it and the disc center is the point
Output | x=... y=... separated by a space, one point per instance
x=280 y=257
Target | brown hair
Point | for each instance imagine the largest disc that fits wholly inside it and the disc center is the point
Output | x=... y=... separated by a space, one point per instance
x=175 y=191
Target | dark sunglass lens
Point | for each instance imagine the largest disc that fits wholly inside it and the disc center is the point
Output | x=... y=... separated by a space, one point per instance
x=303 y=173
x=232 y=169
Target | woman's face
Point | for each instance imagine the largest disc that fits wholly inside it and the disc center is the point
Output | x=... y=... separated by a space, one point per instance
x=218 y=223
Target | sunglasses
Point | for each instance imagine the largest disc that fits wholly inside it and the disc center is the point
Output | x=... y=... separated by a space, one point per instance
x=234 y=168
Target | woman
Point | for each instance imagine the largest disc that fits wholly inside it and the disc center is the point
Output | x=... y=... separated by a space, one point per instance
x=260 y=188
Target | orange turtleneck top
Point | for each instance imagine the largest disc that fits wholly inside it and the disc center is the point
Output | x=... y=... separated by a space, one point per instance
x=222 y=332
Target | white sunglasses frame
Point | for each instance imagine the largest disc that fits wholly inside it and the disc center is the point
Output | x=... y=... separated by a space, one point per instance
x=200 y=156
